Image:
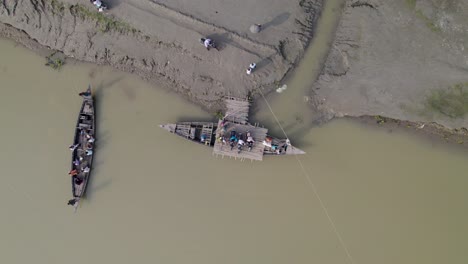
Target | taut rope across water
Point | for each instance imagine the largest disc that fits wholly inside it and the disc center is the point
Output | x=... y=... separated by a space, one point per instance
x=312 y=186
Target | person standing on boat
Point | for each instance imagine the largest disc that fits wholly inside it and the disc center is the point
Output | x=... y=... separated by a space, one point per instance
x=71 y=202
x=222 y=139
x=78 y=181
x=86 y=169
x=73 y=173
x=87 y=93
x=250 y=140
x=90 y=138
x=73 y=147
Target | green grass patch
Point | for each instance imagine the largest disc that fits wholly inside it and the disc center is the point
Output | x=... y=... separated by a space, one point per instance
x=380 y=119
x=411 y=3
x=451 y=102
x=219 y=115
x=429 y=23
x=105 y=22
x=54 y=62
x=57 y=7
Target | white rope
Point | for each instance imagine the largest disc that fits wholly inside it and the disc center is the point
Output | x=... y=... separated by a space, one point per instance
x=314 y=189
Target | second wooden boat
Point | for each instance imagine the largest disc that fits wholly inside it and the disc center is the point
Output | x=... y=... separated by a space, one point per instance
x=83 y=148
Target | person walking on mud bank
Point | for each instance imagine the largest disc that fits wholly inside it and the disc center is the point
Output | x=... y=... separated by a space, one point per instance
x=208 y=43
x=252 y=67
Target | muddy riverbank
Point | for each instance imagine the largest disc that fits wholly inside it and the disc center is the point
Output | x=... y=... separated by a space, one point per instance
x=160 y=42
x=433 y=132
x=400 y=59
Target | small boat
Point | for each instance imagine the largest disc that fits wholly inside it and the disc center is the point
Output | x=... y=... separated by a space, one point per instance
x=83 y=148
x=199 y=132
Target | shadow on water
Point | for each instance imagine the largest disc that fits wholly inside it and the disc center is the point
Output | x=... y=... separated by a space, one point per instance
x=102 y=139
x=95 y=185
x=187 y=118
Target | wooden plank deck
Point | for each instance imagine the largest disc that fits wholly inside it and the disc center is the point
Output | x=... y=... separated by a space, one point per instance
x=237 y=110
x=258 y=133
x=208 y=131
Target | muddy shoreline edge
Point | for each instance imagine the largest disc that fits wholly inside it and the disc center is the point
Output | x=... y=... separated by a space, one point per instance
x=429 y=130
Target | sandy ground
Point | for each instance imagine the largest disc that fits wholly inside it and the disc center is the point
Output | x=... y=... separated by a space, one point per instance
x=388 y=56
x=159 y=40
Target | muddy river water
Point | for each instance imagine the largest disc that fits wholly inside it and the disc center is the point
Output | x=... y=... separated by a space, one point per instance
x=155 y=198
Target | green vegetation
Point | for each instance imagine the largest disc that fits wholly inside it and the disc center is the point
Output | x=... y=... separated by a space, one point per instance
x=219 y=114
x=451 y=102
x=429 y=22
x=380 y=119
x=106 y=23
x=57 y=7
x=411 y=3
x=55 y=63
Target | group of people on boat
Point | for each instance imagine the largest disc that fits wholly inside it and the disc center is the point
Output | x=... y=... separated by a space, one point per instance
x=87 y=148
x=83 y=147
x=241 y=140
x=235 y=138
x=277 y=148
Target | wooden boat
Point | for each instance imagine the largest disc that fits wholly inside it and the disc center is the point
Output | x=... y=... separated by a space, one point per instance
x=199 y=132
x=83 y=148
x=218 y=135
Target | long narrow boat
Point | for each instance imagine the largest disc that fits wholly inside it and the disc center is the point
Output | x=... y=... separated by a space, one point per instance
x=207 y=133
x=83 y=148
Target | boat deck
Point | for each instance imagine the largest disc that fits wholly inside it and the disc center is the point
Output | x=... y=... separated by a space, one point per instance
x=223 y=149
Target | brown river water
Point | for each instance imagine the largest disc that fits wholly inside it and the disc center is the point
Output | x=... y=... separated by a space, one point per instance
x=155 y=198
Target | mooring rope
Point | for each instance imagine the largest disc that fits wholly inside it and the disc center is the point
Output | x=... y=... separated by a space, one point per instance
x=312 y=186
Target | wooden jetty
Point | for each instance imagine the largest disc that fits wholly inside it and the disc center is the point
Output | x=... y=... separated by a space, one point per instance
x=83 y=148
x=234 y=128
x=237 y=110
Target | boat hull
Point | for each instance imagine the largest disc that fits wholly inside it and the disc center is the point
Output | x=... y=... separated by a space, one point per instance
x=83 y=154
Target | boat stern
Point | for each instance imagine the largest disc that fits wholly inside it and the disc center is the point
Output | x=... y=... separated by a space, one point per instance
x=169 y=127
x=294 y=151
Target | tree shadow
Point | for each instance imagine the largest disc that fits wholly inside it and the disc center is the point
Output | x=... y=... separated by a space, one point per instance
x=278 y=20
